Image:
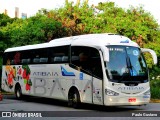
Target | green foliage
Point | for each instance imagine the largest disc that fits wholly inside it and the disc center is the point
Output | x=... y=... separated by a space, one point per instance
x=154 y=73
x=36 y=29
x=77 y=19
x=4 y=19
x=155 y=91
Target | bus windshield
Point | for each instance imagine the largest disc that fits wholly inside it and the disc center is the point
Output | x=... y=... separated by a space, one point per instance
x=126 y=63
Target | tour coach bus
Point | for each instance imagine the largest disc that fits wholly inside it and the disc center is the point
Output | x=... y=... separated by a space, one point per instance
x=105 y=69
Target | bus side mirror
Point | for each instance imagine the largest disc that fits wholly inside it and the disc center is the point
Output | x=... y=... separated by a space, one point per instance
x=154 y=56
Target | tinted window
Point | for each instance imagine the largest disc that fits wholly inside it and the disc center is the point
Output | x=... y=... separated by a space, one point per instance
x=6 y=57
x=126 y=63
x=88 y=60
x=26 y=57
x=40 y=56
x=12 y=58
x=59 y=54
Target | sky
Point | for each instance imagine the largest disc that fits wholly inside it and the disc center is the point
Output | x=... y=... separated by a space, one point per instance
x=32 y=6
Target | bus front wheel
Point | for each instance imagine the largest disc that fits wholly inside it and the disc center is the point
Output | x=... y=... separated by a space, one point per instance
x=74 y=99
x=18 y=92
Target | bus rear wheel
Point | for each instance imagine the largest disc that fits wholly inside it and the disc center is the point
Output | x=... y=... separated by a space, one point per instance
x=74 y=99
x=18 y=92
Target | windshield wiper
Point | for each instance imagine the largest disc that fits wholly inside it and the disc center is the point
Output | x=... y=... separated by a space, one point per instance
x=127 y=72
x=131 y=66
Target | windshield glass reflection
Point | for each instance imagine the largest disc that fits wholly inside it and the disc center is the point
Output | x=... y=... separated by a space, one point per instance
x=126 y=64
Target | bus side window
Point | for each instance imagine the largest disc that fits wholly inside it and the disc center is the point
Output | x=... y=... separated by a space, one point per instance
x=43 y=60
x=12 y=62
x=16 y=58
x=95 y=61
x=59 y=54
x=26 y=57
x=40 y=56
x=8 y=58
x=5 y=58
x=80 y=57
x=25 y=61
x=36 y=60
x=87 y=59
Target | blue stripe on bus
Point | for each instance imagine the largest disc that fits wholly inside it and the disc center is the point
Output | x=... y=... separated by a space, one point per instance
x=66 y=73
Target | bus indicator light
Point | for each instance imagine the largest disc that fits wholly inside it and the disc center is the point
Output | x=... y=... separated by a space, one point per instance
x=81 y=76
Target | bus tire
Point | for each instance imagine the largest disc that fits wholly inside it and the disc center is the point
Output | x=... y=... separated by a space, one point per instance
x=74 y=99
x=18 y=92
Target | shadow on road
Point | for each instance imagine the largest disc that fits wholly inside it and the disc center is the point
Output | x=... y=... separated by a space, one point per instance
x=55 y=102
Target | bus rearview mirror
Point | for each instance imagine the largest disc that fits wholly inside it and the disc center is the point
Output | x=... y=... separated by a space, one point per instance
x=154 y=56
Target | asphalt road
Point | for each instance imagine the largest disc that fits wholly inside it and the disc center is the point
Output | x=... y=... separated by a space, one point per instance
x=60 y=108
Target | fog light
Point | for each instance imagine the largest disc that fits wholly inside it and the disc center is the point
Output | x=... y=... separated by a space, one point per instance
x=110 y=99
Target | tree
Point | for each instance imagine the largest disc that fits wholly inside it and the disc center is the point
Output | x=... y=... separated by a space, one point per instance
x=36 y=29
x=4 y=19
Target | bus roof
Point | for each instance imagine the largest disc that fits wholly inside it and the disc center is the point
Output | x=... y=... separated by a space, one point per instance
x=92 y=40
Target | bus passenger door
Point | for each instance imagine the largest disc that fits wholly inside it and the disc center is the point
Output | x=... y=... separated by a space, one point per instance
x=97 y=78
x=89 y=64
x=97 y=91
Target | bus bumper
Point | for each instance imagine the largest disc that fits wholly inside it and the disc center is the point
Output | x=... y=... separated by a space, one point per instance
x=128 y=100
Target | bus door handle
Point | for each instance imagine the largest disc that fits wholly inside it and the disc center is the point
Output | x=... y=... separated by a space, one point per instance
x=97 y=92
x=41 y=80
x=53 y=80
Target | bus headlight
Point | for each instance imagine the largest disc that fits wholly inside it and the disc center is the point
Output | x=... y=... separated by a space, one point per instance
x=147 y=92
x=111 y=93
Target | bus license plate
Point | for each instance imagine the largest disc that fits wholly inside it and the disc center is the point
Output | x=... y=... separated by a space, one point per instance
x=132 y=100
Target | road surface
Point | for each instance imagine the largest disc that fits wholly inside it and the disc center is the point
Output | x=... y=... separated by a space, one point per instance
x=37 y=104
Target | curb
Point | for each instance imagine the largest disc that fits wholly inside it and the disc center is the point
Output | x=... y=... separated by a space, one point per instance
x=7 y=93
x=155 y=101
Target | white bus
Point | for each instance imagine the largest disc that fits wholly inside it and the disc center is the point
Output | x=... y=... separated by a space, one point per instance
x=104 y=69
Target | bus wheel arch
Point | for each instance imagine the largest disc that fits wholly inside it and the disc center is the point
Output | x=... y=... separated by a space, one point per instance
x=74 y=97
x=18 y=91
